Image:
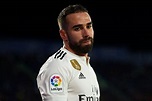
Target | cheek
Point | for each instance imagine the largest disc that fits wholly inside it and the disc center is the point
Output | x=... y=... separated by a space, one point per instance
x=92 y=35
x=75 y=37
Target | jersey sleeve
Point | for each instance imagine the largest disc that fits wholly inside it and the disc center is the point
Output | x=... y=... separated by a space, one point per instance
x=53 y=80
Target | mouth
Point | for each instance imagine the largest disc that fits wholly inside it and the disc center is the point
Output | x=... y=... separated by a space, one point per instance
x=86 y=42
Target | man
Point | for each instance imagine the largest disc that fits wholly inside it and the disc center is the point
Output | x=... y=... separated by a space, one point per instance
x=67 y=75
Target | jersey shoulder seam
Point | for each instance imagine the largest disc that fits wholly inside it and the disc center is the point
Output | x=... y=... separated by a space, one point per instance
x=60 y=54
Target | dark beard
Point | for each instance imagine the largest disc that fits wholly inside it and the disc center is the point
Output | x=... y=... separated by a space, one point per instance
x=79 y=49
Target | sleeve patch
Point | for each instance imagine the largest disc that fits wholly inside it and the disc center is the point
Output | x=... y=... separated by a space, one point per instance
x=56 y=83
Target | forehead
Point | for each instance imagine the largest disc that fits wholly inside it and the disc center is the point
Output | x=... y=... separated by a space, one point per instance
x=78 y=18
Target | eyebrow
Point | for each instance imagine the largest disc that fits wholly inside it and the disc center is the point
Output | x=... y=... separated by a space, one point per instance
x=79 y=25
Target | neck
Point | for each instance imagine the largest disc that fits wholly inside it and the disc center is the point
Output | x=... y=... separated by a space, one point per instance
x=80 y=54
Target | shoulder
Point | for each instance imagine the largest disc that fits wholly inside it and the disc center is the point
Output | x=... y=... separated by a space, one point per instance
x=58 y=63
x=58 y=60
x=59 y=55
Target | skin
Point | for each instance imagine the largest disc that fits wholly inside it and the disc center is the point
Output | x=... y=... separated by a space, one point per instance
x=79 y=31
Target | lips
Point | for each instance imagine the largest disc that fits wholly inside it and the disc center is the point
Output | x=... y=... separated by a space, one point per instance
x=86 y=40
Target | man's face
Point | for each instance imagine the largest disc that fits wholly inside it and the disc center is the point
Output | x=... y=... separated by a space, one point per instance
x=80 y=32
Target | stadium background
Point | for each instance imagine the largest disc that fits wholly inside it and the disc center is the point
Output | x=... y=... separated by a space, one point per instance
x=121 y=57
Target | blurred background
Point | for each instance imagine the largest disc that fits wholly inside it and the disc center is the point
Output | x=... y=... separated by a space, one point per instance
x=121 y=57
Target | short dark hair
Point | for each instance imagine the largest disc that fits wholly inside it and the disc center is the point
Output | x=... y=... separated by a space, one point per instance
x=69 y=10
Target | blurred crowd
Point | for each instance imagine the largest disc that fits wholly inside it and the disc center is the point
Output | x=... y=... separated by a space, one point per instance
x=120 y=79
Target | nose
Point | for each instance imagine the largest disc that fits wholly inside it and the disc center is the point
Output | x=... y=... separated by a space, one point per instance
x=85 y=32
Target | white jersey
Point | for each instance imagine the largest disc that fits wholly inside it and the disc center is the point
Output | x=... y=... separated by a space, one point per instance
x=67 y=77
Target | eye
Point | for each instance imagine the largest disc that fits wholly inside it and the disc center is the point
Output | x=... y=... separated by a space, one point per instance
x=77 y=28
x=89 y=26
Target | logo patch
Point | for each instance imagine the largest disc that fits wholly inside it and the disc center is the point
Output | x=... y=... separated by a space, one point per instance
x=81 y=76
x=56 y=83
x=75 y=64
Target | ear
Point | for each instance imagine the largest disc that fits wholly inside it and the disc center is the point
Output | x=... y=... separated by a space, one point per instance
x=63 y=35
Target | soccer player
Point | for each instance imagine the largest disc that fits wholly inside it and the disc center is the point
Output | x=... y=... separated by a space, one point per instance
x=67 y=75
